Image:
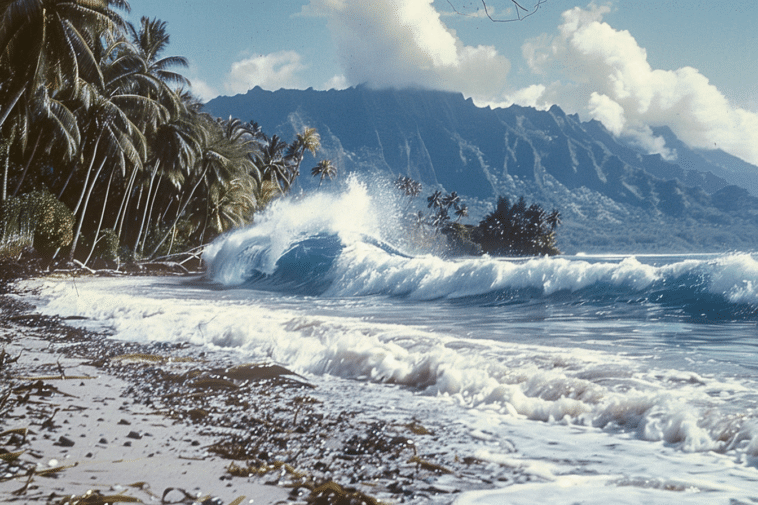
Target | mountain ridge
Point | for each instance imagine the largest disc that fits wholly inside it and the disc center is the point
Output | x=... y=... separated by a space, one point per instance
x=444 y=140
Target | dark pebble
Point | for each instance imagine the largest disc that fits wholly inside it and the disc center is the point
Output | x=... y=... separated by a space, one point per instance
x=102 y=441
x=124 y=421
x=127 y=444
x=65 y=442
x=195 y=443
x=135 y=435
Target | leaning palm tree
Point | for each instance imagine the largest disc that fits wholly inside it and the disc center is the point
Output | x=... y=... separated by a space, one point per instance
x=450 y=200
x=53 y=126
x=324 y=169
x=435 y=200
x=51 y=43
x=115 y=140
x=173 y=147
x=273 y=166
x=220 y=162
x=461 y=211
x=553 y=219
x=308 y=140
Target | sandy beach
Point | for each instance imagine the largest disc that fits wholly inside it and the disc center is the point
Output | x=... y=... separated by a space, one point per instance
x=78 y=425
x=89 y=419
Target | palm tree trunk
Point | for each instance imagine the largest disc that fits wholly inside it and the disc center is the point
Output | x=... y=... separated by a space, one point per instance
x=145 y=210
x=102 y=216
x=5 y=172
x=179 y=214
x=68 y=179
x=84 y=210
x=11 y=104
x=121 y=216
x=89 y=172
x=150 y=213
x=28 y=164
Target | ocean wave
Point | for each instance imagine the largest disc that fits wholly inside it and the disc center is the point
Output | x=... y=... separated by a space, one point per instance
x=609 y=391
x=342 y=245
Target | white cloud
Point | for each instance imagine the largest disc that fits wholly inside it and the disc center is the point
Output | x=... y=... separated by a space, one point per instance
x=608 y=112
x=404 y=43
x=281 y=69
x=337 y=82
x=612 y=81
x=203 y=90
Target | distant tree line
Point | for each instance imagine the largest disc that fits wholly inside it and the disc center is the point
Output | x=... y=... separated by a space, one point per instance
x=96 y=127
x=510 y=230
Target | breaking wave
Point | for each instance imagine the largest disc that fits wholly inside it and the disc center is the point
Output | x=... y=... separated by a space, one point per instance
x=346 y=245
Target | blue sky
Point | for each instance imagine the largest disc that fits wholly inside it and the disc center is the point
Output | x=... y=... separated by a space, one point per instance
x=632 y=64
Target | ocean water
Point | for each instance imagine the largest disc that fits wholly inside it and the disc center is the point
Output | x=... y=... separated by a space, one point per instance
x=603 y=378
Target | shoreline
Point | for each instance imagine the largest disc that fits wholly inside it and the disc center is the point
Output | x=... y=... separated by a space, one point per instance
x=171 y=423
x=75 y=430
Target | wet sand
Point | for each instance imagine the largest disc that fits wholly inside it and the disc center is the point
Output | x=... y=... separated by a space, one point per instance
x=89 y=419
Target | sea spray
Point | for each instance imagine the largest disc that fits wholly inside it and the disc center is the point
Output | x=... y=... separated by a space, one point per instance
x=347 y=215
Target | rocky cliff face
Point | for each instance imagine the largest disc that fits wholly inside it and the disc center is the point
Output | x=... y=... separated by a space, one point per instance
x=612 y=197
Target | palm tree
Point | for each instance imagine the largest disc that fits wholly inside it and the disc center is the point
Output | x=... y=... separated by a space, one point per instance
x=435 y=199
x=310 y=141
x=151 y=40
x=173 y=148
x=271 y=163
x=324 y=169
x=450 y=200
x=115 y=139
x=461 y=211
x=50 y=42
x=220 y=162
x=50 y=119
x=554 y=219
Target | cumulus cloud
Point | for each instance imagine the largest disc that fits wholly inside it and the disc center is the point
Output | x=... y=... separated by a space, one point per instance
x=281 y=69
x=203 y=90
x=612 y=81
x=404 y=43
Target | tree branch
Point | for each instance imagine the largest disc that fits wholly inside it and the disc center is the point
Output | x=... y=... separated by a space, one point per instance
x=519 y=9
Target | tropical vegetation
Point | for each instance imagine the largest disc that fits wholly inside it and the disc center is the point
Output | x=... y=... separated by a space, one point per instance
x=510 y=230
x=518 y=230
x=95 y=120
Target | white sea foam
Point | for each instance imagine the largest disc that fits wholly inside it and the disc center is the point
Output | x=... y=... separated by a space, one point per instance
x=581 y=387
x=377 y=322
x=364 y=219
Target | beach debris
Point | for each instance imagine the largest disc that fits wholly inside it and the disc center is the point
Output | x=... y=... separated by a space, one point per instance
x=417 y=429
x=262 y=418
x=94 y=497
x=138 y=358
x=6 y=358
x=213 y=383
x=9 y=456
x=254 y=372
x=330 y=493
x=186 y=495
x=427 y=465
x=16 y=431
x=64 y=442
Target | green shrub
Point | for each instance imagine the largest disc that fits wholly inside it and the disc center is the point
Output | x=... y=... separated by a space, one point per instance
x=107 y=245
x=36 y=219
